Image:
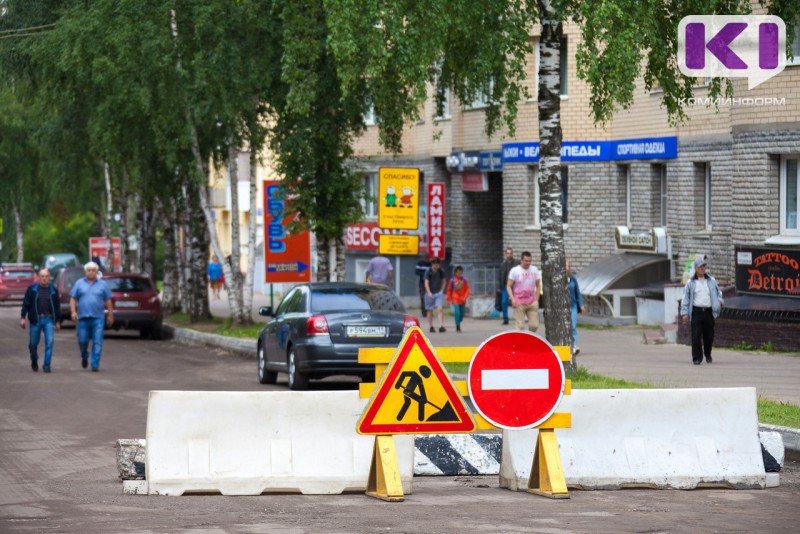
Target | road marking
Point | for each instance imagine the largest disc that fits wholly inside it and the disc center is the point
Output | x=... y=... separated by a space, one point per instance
x=493 y=379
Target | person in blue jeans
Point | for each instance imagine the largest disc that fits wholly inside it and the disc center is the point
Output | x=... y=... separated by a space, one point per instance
x=88 y=299
x=576 y=305
x=41 y=306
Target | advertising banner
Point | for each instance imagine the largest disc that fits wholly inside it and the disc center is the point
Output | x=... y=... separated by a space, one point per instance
x=287 y=257
x=98 y=252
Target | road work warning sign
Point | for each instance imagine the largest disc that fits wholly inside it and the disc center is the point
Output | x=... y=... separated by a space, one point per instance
x=415 y=395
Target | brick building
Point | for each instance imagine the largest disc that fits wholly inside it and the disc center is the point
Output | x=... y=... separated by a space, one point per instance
x=722 y=180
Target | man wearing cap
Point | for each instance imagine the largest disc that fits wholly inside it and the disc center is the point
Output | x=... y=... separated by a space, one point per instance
x=701 y=304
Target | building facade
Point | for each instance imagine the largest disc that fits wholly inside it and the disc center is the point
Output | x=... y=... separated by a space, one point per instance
x=726 y=178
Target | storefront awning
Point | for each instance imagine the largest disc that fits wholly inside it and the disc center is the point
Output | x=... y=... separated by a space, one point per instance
x=627 y=270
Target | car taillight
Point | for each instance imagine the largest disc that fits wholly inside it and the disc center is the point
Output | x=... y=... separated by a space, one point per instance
x=317 y=325
x=409 y=321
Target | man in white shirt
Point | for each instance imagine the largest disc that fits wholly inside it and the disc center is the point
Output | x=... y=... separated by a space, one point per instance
x=524 y=287
x=701 y=304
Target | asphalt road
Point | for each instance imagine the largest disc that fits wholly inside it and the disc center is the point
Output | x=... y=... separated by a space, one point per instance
x=58 y=468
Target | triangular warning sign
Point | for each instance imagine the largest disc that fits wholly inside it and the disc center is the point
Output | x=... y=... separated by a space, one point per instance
x=415 y=395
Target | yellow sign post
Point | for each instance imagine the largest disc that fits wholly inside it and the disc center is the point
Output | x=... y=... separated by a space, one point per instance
x=396 y=244
x=414 y=396
x=398 y=198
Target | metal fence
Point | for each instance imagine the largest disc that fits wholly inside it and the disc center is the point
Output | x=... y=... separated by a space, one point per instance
x=484 y=279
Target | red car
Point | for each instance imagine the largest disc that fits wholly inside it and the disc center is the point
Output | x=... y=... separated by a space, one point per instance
x=137 y=305
x=66 y=278
x=15 y=279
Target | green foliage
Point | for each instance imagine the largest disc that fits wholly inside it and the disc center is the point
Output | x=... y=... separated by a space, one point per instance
x=46 y=236
x=744 y=345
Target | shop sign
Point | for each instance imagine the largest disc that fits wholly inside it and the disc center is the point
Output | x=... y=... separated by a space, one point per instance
x=653 y=241
x=398 y=245
x=398 y=205
x=436 y=220
x=623 y=149
x=768 y=271
x=491 y=161
x=474 y=181
x=366 y=236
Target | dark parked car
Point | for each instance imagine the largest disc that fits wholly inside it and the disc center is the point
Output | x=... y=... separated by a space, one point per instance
x=64 y=281
x=56 y=262
x=318 y=328
x=15 y=278
x=137 y=305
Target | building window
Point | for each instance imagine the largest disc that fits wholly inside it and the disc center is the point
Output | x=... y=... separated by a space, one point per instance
x=659 y=196
x=369 y=203
x=702 y=196
x=369 y=115
x=795 y=44
x=624 y=189
x=533 y=193
x=562 y=67
x=707 y=196
x=483 y=97
x=445 y=114
x=565 y=194
x=790 y=199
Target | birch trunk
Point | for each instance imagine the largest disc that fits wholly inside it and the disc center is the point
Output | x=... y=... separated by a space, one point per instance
x=252 y=227
x=198 y=247
x=109 y=215
x=171 y=290
x=124 y=253
x=234 y=285
x=149 y=238
x=557 y=318
x=323 y=260
x=20 y=231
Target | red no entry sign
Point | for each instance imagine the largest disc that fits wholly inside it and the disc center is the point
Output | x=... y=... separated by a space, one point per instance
x=516 y=380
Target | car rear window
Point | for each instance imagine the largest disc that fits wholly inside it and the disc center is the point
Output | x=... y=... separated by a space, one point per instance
x=334 y=299
x=70 y=277
x=17 y=274
x=129 y=285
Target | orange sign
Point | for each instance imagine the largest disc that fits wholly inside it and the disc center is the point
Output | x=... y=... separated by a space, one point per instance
x=287 y=257
x=415 y=395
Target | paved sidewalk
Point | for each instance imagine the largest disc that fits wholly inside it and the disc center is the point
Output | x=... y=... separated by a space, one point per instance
x=619 y=352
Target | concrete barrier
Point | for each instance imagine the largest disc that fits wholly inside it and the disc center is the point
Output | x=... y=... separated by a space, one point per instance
x=248 y=443
x=660 y=438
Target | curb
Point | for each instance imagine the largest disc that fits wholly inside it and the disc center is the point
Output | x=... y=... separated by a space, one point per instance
x=244 y=348
x=791 y=436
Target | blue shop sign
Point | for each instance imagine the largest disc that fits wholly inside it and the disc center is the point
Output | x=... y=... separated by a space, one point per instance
x=585 y=150
x=520 y=153
x=491 y=161
x=646 y=148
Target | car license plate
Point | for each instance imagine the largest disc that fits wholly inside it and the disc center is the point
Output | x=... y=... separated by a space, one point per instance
x=126 y=304
x=366 y=331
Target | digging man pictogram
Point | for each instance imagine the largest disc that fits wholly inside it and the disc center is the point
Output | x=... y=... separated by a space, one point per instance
x=414 y=390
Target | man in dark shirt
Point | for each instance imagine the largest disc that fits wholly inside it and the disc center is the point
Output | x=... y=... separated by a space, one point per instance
x=434 y=293
x=41 y=305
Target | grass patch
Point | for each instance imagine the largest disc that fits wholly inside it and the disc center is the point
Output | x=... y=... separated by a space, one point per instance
x=216 y=325
x=778 y=413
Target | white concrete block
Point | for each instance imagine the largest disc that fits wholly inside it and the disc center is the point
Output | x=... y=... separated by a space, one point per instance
x=773 y=480
x=664 y=438
x=135 y=487
x=248 y=443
